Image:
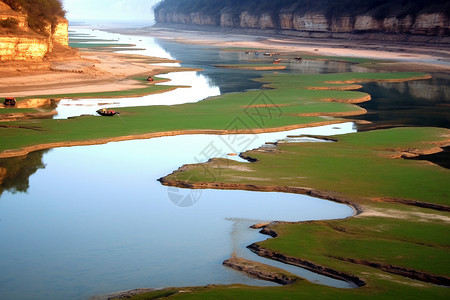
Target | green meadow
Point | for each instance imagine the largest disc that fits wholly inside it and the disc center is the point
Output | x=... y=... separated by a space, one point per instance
x=284 y=102
x=359 y=167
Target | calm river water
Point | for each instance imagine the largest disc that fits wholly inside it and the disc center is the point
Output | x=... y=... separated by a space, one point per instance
x=80 y=221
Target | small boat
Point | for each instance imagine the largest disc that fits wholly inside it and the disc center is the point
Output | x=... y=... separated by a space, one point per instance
x=277 y=61
x=10 y=101
x=107 y=112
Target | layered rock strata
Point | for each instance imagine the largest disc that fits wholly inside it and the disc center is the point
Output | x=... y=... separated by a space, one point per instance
x=19 y=42
x=430 y=24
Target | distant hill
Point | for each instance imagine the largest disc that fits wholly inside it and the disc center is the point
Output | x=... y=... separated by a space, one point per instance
x=421 y=17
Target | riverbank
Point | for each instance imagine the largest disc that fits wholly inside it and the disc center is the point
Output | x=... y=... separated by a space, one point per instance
x=323 y=98
x=400 y=56
x=90 y=72
x=277 y=108
x=388 y=248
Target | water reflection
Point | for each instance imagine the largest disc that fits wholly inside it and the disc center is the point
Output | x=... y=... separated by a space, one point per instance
x=99 y=221
x=15 y=172
x=197 y=88
x=211 y=81
x=197 y=85
x=441 y=158
x=412 y=103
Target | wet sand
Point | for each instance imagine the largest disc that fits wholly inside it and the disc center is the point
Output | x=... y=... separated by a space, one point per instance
x=106 y=71
x=87 y=72
x=399 y=56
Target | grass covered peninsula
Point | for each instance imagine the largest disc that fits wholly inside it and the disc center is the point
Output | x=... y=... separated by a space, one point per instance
x=393 y=247
x=290 y=101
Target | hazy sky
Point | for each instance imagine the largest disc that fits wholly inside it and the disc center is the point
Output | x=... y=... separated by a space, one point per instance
x=119 y=10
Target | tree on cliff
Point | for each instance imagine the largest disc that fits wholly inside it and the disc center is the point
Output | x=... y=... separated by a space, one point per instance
x=41 y=13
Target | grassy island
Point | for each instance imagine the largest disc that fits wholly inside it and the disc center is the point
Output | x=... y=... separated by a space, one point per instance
x=289 y=101
x=394 y=247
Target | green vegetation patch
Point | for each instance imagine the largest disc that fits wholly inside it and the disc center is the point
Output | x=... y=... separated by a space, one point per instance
x=359 y=166
x=17 y=110
x=253 y=67
x=39 y=13
x=371 y=246
x=357 y=60
x=281 y=105
x=141 y=91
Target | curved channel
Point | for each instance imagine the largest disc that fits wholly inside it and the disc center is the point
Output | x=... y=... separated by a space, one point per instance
x=91 y=220
x=95 y=220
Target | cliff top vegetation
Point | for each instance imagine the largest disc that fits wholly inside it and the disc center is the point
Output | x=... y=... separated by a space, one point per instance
x=331 y=8
x=39 y=13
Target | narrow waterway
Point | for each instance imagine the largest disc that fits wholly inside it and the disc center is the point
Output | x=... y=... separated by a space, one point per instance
x=94 y=219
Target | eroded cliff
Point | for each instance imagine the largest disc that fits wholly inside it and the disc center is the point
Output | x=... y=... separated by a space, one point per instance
x=19 y=42
x=302 y=17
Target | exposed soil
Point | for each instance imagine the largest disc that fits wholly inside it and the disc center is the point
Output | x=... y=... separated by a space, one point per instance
x=260 y=188
x=26 y=116
x=250 y=67
x=306 y=265
x=88 y=73
x=260 y=271
x=399 y=56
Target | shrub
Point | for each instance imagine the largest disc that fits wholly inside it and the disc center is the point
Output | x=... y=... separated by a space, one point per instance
x=40 y=12
x=9 y=23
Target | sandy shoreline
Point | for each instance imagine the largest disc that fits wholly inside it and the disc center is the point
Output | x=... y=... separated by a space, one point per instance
x=26 y=150
x=88 y=72
x=107 y=71
x=401 y=56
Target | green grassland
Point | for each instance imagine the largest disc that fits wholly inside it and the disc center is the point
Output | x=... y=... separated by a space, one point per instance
x=137 y=92
x=253 y=66
x=282 y=104
x=292 y=55
x=359 y=167
x=9 y=110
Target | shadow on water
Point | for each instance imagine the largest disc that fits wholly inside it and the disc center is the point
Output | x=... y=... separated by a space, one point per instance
x=236 y=80
x=15 y=172
x=423 y=103
x=442 y=158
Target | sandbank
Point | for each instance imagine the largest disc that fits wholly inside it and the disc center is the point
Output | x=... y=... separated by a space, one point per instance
x=88 y=72
x=401 y=56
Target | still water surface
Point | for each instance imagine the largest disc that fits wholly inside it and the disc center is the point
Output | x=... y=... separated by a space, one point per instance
x=211 y=81
x=95 y=220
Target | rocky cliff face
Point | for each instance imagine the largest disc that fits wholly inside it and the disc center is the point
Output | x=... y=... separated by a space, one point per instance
x=20 y=43
x=23 y=48
x=432 y=24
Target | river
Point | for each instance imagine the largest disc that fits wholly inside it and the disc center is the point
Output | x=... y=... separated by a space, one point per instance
x=80 y=221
